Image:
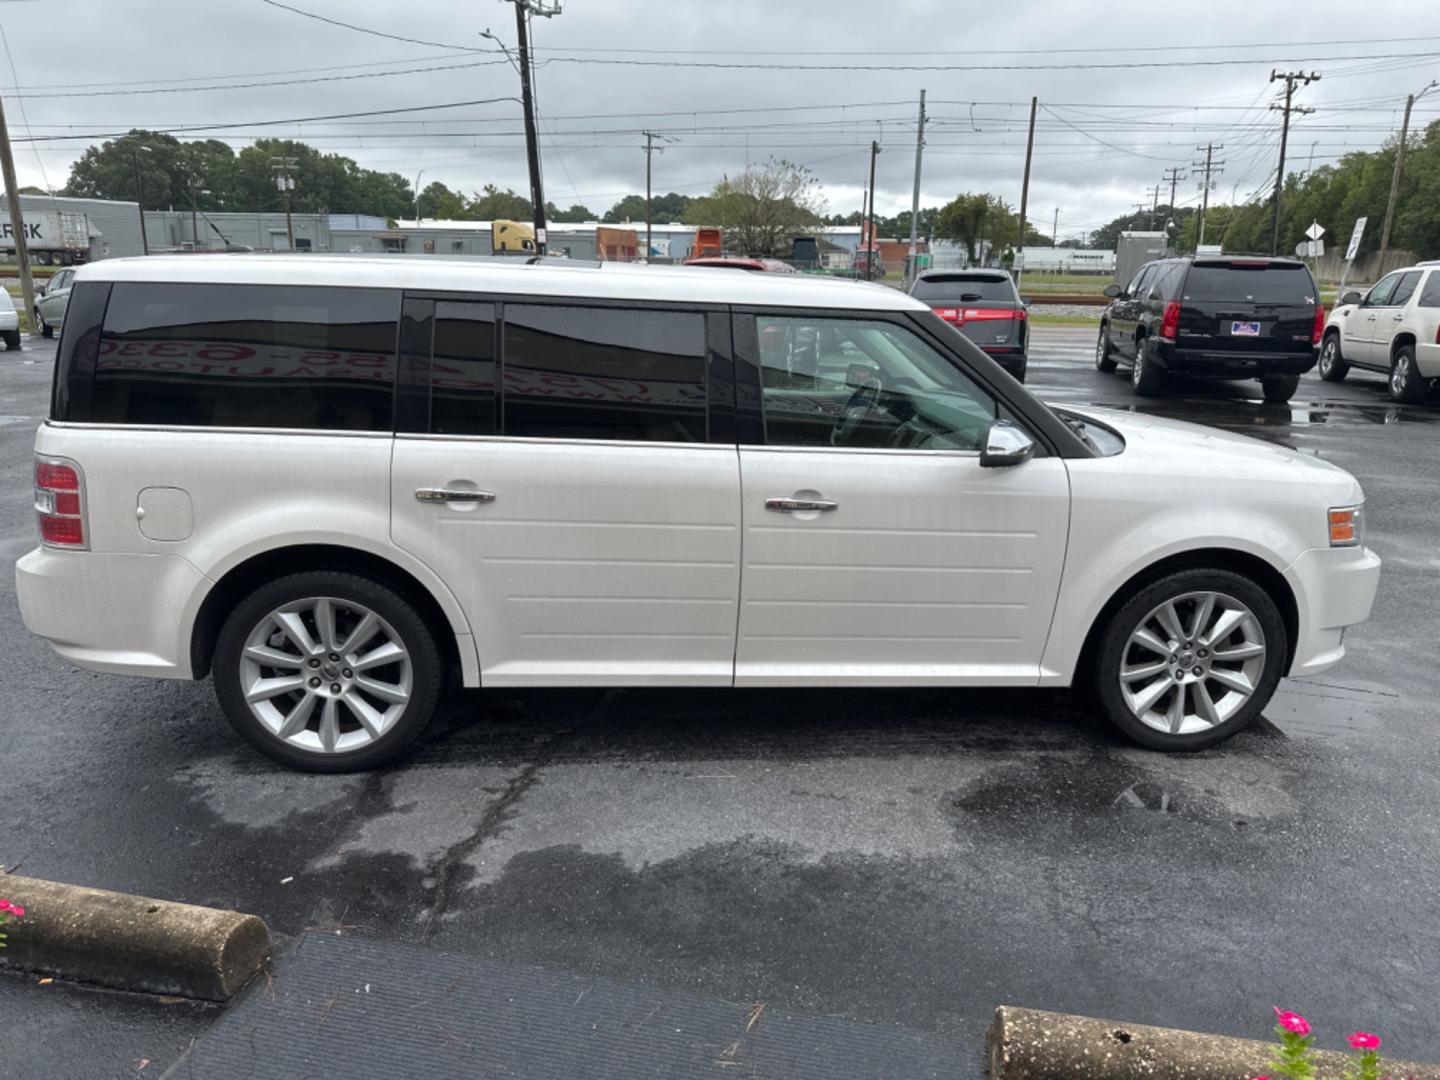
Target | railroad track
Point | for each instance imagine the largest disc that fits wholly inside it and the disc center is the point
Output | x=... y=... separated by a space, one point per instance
x=1078 y=299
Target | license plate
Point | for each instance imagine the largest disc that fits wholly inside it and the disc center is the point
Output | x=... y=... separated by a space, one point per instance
x=1245 y=329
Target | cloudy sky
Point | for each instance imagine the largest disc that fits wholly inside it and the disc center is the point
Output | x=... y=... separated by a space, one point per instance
x=726 y=81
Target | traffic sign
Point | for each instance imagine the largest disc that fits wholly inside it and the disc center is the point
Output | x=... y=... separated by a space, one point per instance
x=1315 y=231
x=1355 y=238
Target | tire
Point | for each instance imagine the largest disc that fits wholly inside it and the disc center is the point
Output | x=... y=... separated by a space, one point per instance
x=1406 y=383
x=12 y=340
x=1104 y=355
x=1232 y=712
x=413 y=682
x=1333 y=367
x=1146 y=378
x=1279 y=389
x=46 y=330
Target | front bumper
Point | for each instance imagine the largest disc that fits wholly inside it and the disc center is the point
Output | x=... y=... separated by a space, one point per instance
x=1334 y=588
x=1234 y=365
x=110 y=612
x=1009 y=357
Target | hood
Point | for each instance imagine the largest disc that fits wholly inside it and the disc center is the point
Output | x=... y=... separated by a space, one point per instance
x=1207 y=451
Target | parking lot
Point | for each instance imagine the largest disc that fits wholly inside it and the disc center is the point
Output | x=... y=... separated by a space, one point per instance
x=893 y=857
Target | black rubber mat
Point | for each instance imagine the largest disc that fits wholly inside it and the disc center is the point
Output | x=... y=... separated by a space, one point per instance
x=342 y=1007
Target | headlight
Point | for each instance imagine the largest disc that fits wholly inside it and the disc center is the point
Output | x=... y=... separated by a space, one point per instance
x=1347 y=526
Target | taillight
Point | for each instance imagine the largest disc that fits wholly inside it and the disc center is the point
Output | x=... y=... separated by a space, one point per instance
x=59 y=502
x=960 y=316
x=1170 y=321
x=1319 y=330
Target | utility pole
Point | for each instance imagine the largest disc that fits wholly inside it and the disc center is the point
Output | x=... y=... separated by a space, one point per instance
x=1291 y=78
x=1173 y=174
x=140 y=199
x=1395 y=176
x=1055 y=230
x=286 y=183
x=915 y=194
x=17 y=219
x=650 y=148
x=1025 y=194
x=1154 y=194
x=523 y=9
x=870 y=216
x=1211 y=166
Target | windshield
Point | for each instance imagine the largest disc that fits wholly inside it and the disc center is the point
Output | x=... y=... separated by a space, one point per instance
x=1266 y=283
x=958 y=288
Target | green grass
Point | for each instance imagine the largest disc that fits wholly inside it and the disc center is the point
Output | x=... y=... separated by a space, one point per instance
x=1066 y=320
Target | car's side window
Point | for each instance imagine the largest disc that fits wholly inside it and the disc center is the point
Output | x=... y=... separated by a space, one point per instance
x=462 y=370
x=1379 y=294
x=1405 y=288
x=1138 y=281
x=276 y=356
x=571 y=372
x=864 y=384
x=1430 y=294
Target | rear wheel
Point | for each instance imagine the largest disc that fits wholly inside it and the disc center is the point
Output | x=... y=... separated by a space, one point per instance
x=1104 y=358
x=1279 y=389
x=327 y=671
x=1191 y=659
x=1146 y=377
x=46 y=330
x=1406 y=383
x=1333 y=367
x=12 y=340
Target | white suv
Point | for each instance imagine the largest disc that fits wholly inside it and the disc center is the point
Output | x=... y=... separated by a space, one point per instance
x=1393 y=329
x=329 y=480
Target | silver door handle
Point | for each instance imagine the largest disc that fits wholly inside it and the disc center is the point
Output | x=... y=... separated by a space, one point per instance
x=786 y=505
x=453 y=495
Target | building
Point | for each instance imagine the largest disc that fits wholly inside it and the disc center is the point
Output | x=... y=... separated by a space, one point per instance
x=114 y=226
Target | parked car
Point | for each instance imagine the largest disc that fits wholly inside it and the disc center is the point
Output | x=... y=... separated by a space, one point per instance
x=51 y=301
x=1393 y=329
x=737 y=262
x=1214 y=317
x=9 y=321
x=985 y=306
x=682 y=479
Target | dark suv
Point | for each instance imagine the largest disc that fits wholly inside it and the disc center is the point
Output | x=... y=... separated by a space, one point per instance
x=984 y=306
x=1219 y=317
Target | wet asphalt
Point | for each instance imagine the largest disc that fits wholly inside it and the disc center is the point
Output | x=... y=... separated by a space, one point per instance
x=897 y=857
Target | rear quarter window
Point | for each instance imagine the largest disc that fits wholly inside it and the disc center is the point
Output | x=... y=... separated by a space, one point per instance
x=963 y=288
x=1430 y=294
x=264 y=356
x=1238 y=283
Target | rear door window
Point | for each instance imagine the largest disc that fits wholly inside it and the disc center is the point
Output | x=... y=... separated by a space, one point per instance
x=462 y=370
x=964 y=288
x=1405 y=288
x=259 y=356
x=1261 y=283
x=603 y=373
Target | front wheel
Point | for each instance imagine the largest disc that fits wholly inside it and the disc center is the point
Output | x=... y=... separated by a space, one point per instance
x=1104 y=359
x=327 y=671
x=1406 y=384
x=1279 y=389
x=1191 y=659
x=1333 y=367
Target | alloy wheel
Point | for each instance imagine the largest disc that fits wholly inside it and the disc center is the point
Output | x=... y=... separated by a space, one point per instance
x=1192 y=663
x=326 y=675
x=1399 y=376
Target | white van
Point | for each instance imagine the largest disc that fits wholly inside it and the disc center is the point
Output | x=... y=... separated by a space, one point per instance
x=326 y=481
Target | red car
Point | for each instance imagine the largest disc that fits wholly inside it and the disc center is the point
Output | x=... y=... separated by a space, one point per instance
x=772 y=266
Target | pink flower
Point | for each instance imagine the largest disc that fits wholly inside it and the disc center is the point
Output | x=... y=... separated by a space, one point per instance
x=1363 y=1040
x=1292 y=1021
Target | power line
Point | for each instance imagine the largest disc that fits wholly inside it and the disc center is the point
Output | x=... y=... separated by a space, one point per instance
x=367 y=30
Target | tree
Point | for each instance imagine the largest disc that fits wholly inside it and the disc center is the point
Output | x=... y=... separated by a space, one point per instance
x=981 y=221
x=763 y=208
x=577 y=212
x=492 y=204
x=109 y=171
x=438 y=201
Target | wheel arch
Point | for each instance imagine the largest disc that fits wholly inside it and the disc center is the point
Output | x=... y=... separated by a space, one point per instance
x=1241 y=562
x=1402 y=339
x=267 y=565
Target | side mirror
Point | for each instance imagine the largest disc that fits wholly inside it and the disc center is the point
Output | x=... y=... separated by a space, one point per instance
x=1351 y=297
x=40 y=288
x=1006 y=443
x=1113 y=290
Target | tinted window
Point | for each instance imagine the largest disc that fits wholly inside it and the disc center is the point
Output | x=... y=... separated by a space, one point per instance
x=247 y=356
x=963 y=288
x=604 y=373
x=1138 y=281
x=1380 y=292
x=462 y=373
x=862 y=383
x=1265 y=283
x=1430 y=295
x=1405 y=288
x=1167 y=283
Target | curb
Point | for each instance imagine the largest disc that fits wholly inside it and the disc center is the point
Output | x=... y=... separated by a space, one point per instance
x=132 y=942
x=1027 y=1044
